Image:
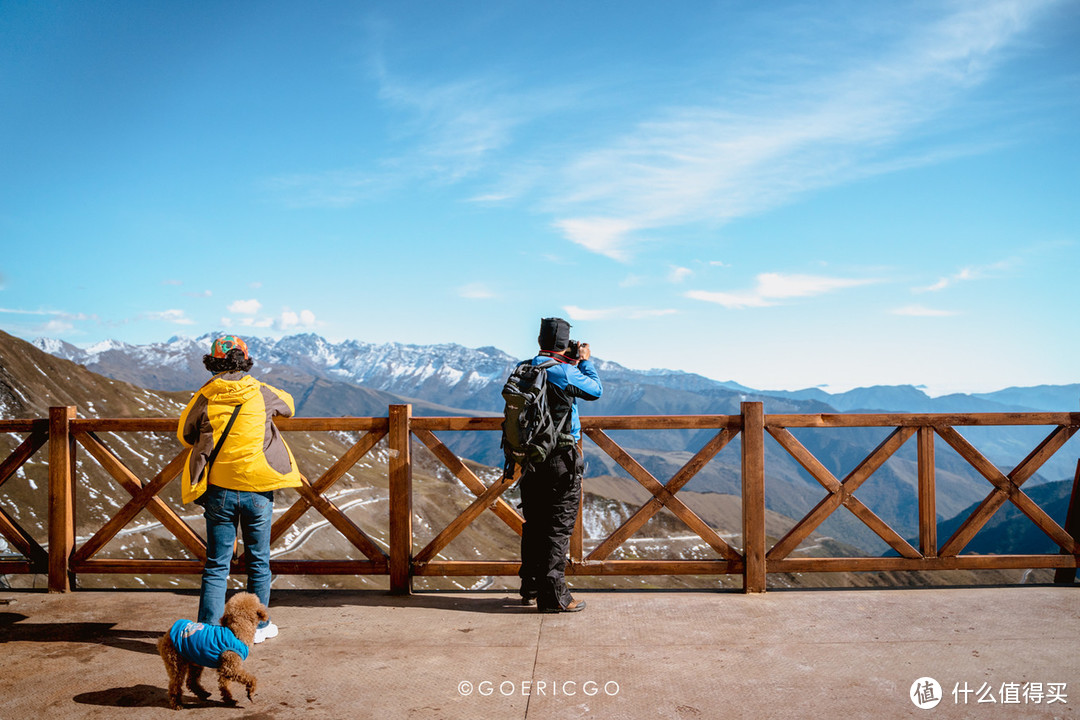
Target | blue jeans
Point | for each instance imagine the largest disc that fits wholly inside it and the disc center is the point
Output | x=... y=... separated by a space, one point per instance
x=224 y=510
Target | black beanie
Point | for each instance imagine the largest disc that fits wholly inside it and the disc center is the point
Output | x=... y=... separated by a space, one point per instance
x=554 y=334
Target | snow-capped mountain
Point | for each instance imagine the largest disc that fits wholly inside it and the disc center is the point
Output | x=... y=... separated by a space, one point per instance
x=448 y=374
x=454 y=376
x=359 y=379
x=452 y=373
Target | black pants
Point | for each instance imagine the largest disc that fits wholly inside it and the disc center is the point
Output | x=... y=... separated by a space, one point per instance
x=550 y=495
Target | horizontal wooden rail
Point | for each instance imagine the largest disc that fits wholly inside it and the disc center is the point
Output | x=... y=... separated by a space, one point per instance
x=24 y=426
x=401 y=560
x=963 y=562
x=486 y=568
x=169 y=425
x=920 y=420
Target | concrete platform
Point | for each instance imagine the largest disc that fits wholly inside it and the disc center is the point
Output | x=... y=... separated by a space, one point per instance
x=680 y=655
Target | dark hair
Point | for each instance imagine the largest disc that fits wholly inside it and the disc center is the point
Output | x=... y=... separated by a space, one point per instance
x=234 y=361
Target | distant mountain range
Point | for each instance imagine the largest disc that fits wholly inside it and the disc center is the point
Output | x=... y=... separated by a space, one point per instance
x=31 y=381
x=1009 y=531
x=468 y=378
x=357 y=378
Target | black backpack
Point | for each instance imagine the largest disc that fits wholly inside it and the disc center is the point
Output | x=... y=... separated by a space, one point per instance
x=530 y=432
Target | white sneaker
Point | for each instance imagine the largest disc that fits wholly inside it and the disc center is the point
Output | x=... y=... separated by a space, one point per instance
x=265 y=633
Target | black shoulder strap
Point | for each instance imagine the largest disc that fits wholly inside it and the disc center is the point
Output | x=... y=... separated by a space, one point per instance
x=221 y=440
x=564 y=422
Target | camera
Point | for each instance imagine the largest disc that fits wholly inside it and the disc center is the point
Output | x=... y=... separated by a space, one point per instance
x=573 y=351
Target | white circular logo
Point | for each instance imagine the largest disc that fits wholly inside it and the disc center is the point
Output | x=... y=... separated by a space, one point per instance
x=925 y=693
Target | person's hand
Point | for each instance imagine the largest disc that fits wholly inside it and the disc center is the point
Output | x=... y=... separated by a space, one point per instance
x=584 y=351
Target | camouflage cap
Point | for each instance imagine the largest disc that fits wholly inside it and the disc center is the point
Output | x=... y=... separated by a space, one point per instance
x=225 y=343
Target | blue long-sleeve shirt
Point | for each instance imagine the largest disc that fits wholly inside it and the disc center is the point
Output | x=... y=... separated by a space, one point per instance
x=577 y=381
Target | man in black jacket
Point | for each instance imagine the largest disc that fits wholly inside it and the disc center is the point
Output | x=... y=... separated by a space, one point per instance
x=551 y=491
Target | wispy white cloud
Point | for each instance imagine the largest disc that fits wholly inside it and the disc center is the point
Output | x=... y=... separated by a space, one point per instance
x=453 y=129
x=15 y=311
x=56 y=327
x=964 y=274
x=921 y=311
x=287 y=320
x=442 y=132
x=290 y=320
x=773 y=288
x=177 y=317
x=716 y=163
x=605 y=236
x=713 y=161
x=245 y=307
x=263 y=322
x=59 y=321
x=625 y=313
x=679 y=274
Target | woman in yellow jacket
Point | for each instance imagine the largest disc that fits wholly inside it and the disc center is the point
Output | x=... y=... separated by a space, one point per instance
x=247 y=466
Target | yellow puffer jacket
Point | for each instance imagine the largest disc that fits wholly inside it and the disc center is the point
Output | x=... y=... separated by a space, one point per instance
x=254 y=456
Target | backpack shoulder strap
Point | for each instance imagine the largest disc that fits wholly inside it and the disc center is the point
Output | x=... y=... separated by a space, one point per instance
x=221 y=440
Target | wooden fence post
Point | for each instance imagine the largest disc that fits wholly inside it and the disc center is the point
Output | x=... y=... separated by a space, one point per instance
x=927 y=494
x=577 y=537
x=401 y=539
x=1066 y=576
x=61 y=497
x=753 y=496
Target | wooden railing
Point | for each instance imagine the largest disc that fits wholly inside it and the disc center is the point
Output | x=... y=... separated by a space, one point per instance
x=402 y=561
x=929 y=556
x=35 y=558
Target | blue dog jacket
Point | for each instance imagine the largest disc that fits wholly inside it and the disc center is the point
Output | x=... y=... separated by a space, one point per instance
x=203 y=644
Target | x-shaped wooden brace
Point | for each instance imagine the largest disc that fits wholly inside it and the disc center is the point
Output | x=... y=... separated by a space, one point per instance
x=311 y=495
x=841 y=493
x=663 y=495
x=1007 y=487
x=142 y=496
x=9 y=528
x=486 y=498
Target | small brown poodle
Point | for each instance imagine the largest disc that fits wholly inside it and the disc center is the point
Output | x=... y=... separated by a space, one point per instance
x=189 y=646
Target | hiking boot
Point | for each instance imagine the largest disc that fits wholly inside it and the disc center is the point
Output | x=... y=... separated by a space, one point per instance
x=574 y=606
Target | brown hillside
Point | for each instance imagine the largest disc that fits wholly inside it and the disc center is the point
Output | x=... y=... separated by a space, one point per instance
x=31 y=381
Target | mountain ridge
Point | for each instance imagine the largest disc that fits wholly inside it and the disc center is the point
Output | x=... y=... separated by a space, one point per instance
x=361 y=379
x=410 y=370
x=32 y=380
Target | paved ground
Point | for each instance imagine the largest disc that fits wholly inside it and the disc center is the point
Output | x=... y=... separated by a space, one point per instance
x=681 y=655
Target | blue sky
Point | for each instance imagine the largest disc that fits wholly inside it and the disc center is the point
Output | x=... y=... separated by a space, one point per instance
x=784 y=194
